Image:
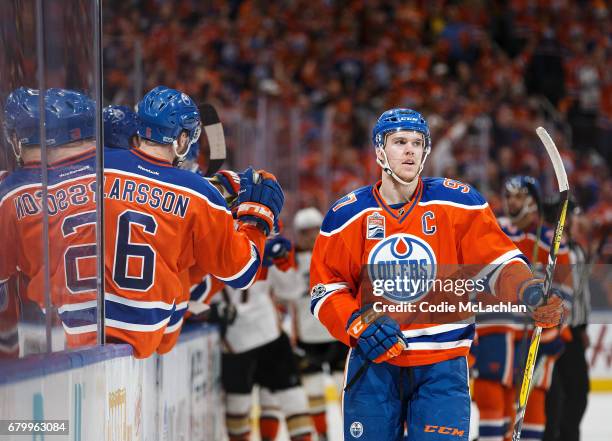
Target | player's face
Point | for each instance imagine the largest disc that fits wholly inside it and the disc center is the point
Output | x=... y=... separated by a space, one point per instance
x=514 y=202
x=405 y=152
x=306 y=238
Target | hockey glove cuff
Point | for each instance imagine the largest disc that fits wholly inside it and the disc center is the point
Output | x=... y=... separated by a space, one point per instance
x=379 y=337
x=260 y=214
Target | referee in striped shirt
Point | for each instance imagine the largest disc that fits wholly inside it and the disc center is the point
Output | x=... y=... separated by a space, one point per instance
x=566 y=399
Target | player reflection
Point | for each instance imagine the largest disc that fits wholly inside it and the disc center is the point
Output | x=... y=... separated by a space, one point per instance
x=21 y=130
x=71 y=205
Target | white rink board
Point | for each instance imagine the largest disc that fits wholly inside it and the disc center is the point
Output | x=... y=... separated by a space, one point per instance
x=599 y=354
x=107 y=395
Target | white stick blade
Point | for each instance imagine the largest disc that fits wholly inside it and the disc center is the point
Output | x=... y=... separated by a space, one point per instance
x=216 y=141
x=555 y=158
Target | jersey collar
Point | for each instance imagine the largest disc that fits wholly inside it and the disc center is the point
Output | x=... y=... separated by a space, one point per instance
x=402 y=213
x=62 y=162
x=89 y=153
x=151 y=159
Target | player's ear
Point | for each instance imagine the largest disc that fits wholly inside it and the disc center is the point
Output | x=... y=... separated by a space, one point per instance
x=379 y=154
x=183 y=142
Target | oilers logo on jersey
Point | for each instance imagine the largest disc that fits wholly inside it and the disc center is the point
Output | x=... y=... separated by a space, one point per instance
x=318 y=291
x=404 y=266
x=356 y=429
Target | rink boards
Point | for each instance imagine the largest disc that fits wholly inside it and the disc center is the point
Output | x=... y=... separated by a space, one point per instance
x=599 y=353
x=106 y=394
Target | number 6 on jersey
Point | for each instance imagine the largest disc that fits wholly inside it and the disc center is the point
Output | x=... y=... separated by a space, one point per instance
x=126 y=251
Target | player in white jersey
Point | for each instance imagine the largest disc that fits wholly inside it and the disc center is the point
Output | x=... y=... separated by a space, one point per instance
x=314 y=343
x=256 y=351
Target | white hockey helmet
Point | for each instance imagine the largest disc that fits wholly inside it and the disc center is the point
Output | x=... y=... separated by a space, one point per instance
x=307 y=218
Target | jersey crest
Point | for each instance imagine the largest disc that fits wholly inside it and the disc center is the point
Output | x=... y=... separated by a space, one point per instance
x=402 y=267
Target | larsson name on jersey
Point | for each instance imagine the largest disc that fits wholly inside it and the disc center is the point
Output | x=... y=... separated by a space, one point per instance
x=155 y=197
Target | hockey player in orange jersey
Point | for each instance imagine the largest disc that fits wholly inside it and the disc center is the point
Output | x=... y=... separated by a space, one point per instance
x=69 y=132
x=524 y=225
x=501 y=350
x=9 y=304
x=408 y=226
x=164 y=225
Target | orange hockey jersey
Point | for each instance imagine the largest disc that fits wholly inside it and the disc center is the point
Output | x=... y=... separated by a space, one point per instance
x=445 y=222
x=536 y=248
x=165 y=227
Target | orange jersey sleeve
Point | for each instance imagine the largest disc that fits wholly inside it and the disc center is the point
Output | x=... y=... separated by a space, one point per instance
x=537 y=248
x=334 y=283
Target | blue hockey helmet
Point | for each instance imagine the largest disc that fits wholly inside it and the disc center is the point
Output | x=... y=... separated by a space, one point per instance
x=69 y=116
x=524 y=184
x=527 y=186
x=395 y=120
x=163 y=113
x=120 y=125
x=22 y=116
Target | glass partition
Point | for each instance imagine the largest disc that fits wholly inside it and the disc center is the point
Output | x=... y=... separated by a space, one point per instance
x=48 y=258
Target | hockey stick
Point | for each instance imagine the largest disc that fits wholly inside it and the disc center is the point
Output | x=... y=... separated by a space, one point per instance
x=368 y=317
x=553 y=153
x=216 y=139
x=362 y=370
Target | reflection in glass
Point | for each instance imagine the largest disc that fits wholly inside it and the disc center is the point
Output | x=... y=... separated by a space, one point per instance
x=48 y=272
x=69 y=123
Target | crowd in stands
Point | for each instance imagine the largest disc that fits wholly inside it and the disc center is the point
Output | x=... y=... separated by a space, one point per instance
x=485 y=74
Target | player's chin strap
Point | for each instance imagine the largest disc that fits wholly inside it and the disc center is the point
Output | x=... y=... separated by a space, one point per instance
x=388 y=170
x=178 y=158
x=17 y=151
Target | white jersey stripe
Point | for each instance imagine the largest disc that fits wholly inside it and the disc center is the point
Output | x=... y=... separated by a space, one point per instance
x=76 y=330
x=244 y=269
x=427 y=346
x=135 y=327
x=439 y=329
x=143 y=304
x=174 y=327
x=77 y=306
x=453 y=204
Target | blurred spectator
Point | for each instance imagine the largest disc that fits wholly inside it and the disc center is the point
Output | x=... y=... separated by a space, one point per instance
x=485 y=73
